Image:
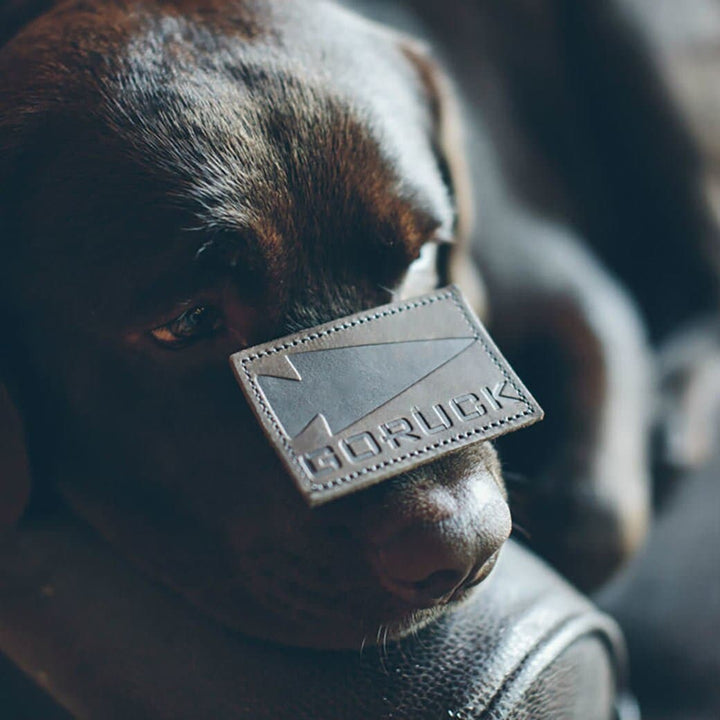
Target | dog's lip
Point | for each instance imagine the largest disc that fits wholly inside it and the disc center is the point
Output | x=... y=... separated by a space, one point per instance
x=429 y=613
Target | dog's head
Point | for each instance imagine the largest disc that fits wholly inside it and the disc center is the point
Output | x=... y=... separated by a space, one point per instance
x=184 y=179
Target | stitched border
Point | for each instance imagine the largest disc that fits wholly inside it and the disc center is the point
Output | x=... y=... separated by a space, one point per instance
x=315 y=488
x=357 y=321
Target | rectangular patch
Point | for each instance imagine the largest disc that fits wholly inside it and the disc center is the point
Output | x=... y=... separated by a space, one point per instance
x=358 y=400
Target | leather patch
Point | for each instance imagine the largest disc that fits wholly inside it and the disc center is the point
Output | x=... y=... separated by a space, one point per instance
x=353 y=402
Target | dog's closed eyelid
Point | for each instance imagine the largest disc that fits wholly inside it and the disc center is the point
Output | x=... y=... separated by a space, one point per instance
x=423 y=274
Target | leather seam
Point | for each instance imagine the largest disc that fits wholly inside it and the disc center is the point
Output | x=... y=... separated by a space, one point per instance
x=573 y=627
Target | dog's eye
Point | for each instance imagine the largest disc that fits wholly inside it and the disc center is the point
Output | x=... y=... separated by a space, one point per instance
x=193 y=325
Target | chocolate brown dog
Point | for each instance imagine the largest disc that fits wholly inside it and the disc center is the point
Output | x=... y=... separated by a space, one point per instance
x=182 y=180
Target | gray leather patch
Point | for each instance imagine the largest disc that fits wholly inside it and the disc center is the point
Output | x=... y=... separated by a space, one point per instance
x=353 y=402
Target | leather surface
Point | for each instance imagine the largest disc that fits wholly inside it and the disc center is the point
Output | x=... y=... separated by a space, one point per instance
x=107 y=644
x=668 y=603
x=565 y=690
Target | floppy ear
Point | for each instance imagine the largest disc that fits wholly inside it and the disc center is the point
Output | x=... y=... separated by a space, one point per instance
x=450 y=148
x=14 y=468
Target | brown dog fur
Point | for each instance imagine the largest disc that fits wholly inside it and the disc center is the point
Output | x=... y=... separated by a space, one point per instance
x=283 y=163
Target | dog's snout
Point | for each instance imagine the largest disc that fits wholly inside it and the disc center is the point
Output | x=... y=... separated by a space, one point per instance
x=445 y=544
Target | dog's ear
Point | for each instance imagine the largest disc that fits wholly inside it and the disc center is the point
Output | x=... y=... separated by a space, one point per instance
x=452 y=160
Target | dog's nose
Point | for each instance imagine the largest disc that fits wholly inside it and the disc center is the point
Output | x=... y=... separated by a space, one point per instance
x=447 y=545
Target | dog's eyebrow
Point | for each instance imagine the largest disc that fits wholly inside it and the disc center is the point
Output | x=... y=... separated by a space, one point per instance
x=218 y=255
x=226 y=248
x=219 y=251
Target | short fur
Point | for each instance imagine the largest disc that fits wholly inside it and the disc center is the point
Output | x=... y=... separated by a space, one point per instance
x=281 y=161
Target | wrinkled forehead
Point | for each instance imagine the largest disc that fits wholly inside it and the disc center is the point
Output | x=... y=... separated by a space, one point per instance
x=236 y=114
x=301 y=126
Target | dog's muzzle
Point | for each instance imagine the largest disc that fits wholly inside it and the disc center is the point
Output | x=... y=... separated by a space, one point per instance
x=358 y=400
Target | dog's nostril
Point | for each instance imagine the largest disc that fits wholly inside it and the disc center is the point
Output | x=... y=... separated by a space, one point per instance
x=439 y=584
x=426 y=564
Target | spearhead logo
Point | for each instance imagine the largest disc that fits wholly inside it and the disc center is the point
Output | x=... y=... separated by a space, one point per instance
x=350 y=403
x=345 y=384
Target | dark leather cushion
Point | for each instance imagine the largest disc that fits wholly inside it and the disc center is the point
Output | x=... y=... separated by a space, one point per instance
x=668 y=604
x=106 y=643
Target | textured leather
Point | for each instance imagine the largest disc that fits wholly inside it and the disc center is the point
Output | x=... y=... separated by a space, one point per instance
x=667 y=601
x=360 y=399
x=108 y=644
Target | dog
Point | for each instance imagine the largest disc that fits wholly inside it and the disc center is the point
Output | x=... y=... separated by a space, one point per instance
x=181 y=180
x=212 y=176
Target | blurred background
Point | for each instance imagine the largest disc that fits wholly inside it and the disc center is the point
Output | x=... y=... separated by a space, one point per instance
x=596 y=124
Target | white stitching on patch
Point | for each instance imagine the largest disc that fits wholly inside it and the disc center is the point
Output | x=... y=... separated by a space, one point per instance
x=320 y=487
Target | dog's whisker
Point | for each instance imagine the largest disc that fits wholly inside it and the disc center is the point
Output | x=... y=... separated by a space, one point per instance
x=414 y=629
x=381 y=647
x=521 y=530
x=514 y=478
x=200 y=227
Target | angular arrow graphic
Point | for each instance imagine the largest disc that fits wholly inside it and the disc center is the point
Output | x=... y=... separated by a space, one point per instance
x=345 y=384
